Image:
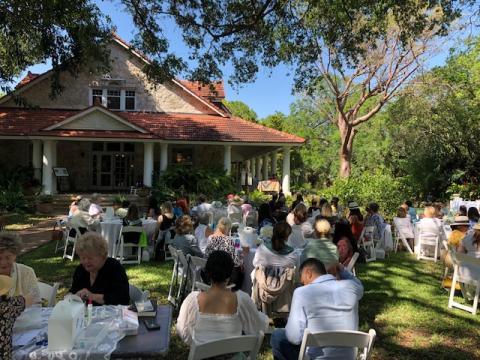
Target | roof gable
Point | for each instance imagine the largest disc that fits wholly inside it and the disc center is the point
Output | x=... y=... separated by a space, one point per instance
x=96 y=118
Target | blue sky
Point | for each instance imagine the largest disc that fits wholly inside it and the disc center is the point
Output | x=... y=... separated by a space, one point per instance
x=271 y=92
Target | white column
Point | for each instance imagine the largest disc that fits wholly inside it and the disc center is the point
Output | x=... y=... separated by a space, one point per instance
x=254 y=167
x=259 y=168
x=47 y=171
x=163 y=156
x=37 y=159
x=147 y=164
x=265 y=167
x=273 y=162
x=286 y=170
x=227 y=158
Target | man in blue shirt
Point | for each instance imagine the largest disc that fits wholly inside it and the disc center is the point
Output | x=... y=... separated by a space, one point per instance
x=322 y=304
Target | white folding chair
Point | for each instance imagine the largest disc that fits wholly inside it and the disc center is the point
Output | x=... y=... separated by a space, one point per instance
x=251 y=219
x=236 y=218
x=120 y=250
x=427 y=240
x=466 y=270
x=136 y=294
x=165 y=236
x=197 y=264
x=48 y=292
x=353 y=261
x=60 y=225
x=400 y=236
x=179 y=275
x=70 y=239
x=367 y=242
x=244 y=343
x=355 y=339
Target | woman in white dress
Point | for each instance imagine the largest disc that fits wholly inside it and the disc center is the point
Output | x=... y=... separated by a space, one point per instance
x=203 y=230
x=218 y=313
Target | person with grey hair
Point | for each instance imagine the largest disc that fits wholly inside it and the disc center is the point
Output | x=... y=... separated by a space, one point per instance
x=23 y=277
x=98 y=278
x=221 y=240
x=82 y=219
x=203 y=230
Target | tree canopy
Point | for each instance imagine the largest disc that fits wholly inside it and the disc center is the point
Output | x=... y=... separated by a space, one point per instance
x=240 y=109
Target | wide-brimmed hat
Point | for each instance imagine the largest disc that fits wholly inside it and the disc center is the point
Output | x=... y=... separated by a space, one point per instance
x=352 y=205
x=460 y=220
x=6 y=284
x=237 y=200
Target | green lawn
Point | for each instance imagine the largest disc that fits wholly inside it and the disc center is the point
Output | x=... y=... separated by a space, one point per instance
x=403 y=302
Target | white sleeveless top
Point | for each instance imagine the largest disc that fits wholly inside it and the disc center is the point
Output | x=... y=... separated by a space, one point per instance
x=200 y=236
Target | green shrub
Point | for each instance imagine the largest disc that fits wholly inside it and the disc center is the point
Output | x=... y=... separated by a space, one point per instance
x=11 y=197
x=466 y=191
x=379 y=186
x=182 y=180
x=258 y=197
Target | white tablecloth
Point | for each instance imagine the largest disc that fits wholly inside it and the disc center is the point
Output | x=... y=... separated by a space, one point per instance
x=107 y=319
x=111 y=231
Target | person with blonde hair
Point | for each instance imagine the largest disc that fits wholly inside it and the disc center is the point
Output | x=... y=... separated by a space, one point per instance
x=24 y=280
x=321 y=246
x=99 y=278
x=221 y=240
x=184 y=239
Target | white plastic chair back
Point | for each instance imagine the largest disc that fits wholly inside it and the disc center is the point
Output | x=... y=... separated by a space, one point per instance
x=48 y=293
x=356 y=339
x=399 y=235
x=120 y=252
x=430 y=241
x=368 y=243
x=236 y=218
x=196 y=266
x=353 y=261
x=70 y=240
x=466 y=271
x=245 y=343
x=109 y=213
x=60 y=225
x=251 y=219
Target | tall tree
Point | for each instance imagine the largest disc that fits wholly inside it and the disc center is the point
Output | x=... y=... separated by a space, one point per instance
x=360 y=51
x=70 y=34
x=240 y=109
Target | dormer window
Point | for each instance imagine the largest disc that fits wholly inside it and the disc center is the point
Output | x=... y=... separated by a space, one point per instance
x=113 y=99
x=129 y=100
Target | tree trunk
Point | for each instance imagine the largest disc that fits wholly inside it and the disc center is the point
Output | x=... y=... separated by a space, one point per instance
x=347 y=133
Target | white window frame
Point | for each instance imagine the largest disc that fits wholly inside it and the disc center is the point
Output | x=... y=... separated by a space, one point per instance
x=105 y=97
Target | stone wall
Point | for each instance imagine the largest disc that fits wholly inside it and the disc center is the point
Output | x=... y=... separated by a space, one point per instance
x=162 y=98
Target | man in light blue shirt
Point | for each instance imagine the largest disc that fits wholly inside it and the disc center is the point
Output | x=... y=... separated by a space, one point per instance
x=322 y=304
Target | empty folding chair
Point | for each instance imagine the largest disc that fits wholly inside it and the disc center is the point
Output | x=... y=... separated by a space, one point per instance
x=354 y=339
x=400 y=236
x=73 y=233
x=59 y=233
x=179 y=276
x=129 y=239
x=238 y=344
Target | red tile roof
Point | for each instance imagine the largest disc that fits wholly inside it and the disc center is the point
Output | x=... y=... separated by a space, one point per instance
x=29 y=77
x=215 y=90
x=162 y=126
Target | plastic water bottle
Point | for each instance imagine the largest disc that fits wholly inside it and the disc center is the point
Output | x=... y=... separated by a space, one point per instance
x=236 y=240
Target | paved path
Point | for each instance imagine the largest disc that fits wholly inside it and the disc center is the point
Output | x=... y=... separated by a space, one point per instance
x=37 y=235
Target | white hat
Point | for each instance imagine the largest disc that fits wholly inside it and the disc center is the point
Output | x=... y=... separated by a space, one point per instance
x=460 y=220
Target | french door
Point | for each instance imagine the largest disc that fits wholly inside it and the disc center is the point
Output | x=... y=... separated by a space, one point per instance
x=112 y=170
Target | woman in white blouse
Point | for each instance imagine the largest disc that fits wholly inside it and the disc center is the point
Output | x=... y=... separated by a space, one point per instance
x=404 y=225
x=218 y=313
x=276 y=252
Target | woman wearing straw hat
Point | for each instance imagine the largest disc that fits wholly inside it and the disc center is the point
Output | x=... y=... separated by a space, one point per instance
x=10 y=308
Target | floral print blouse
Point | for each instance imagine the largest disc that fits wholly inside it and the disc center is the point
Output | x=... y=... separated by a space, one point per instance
x=10 y=309
x=224 y=243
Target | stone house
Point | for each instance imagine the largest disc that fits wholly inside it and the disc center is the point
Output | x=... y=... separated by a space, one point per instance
x=117 y=130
